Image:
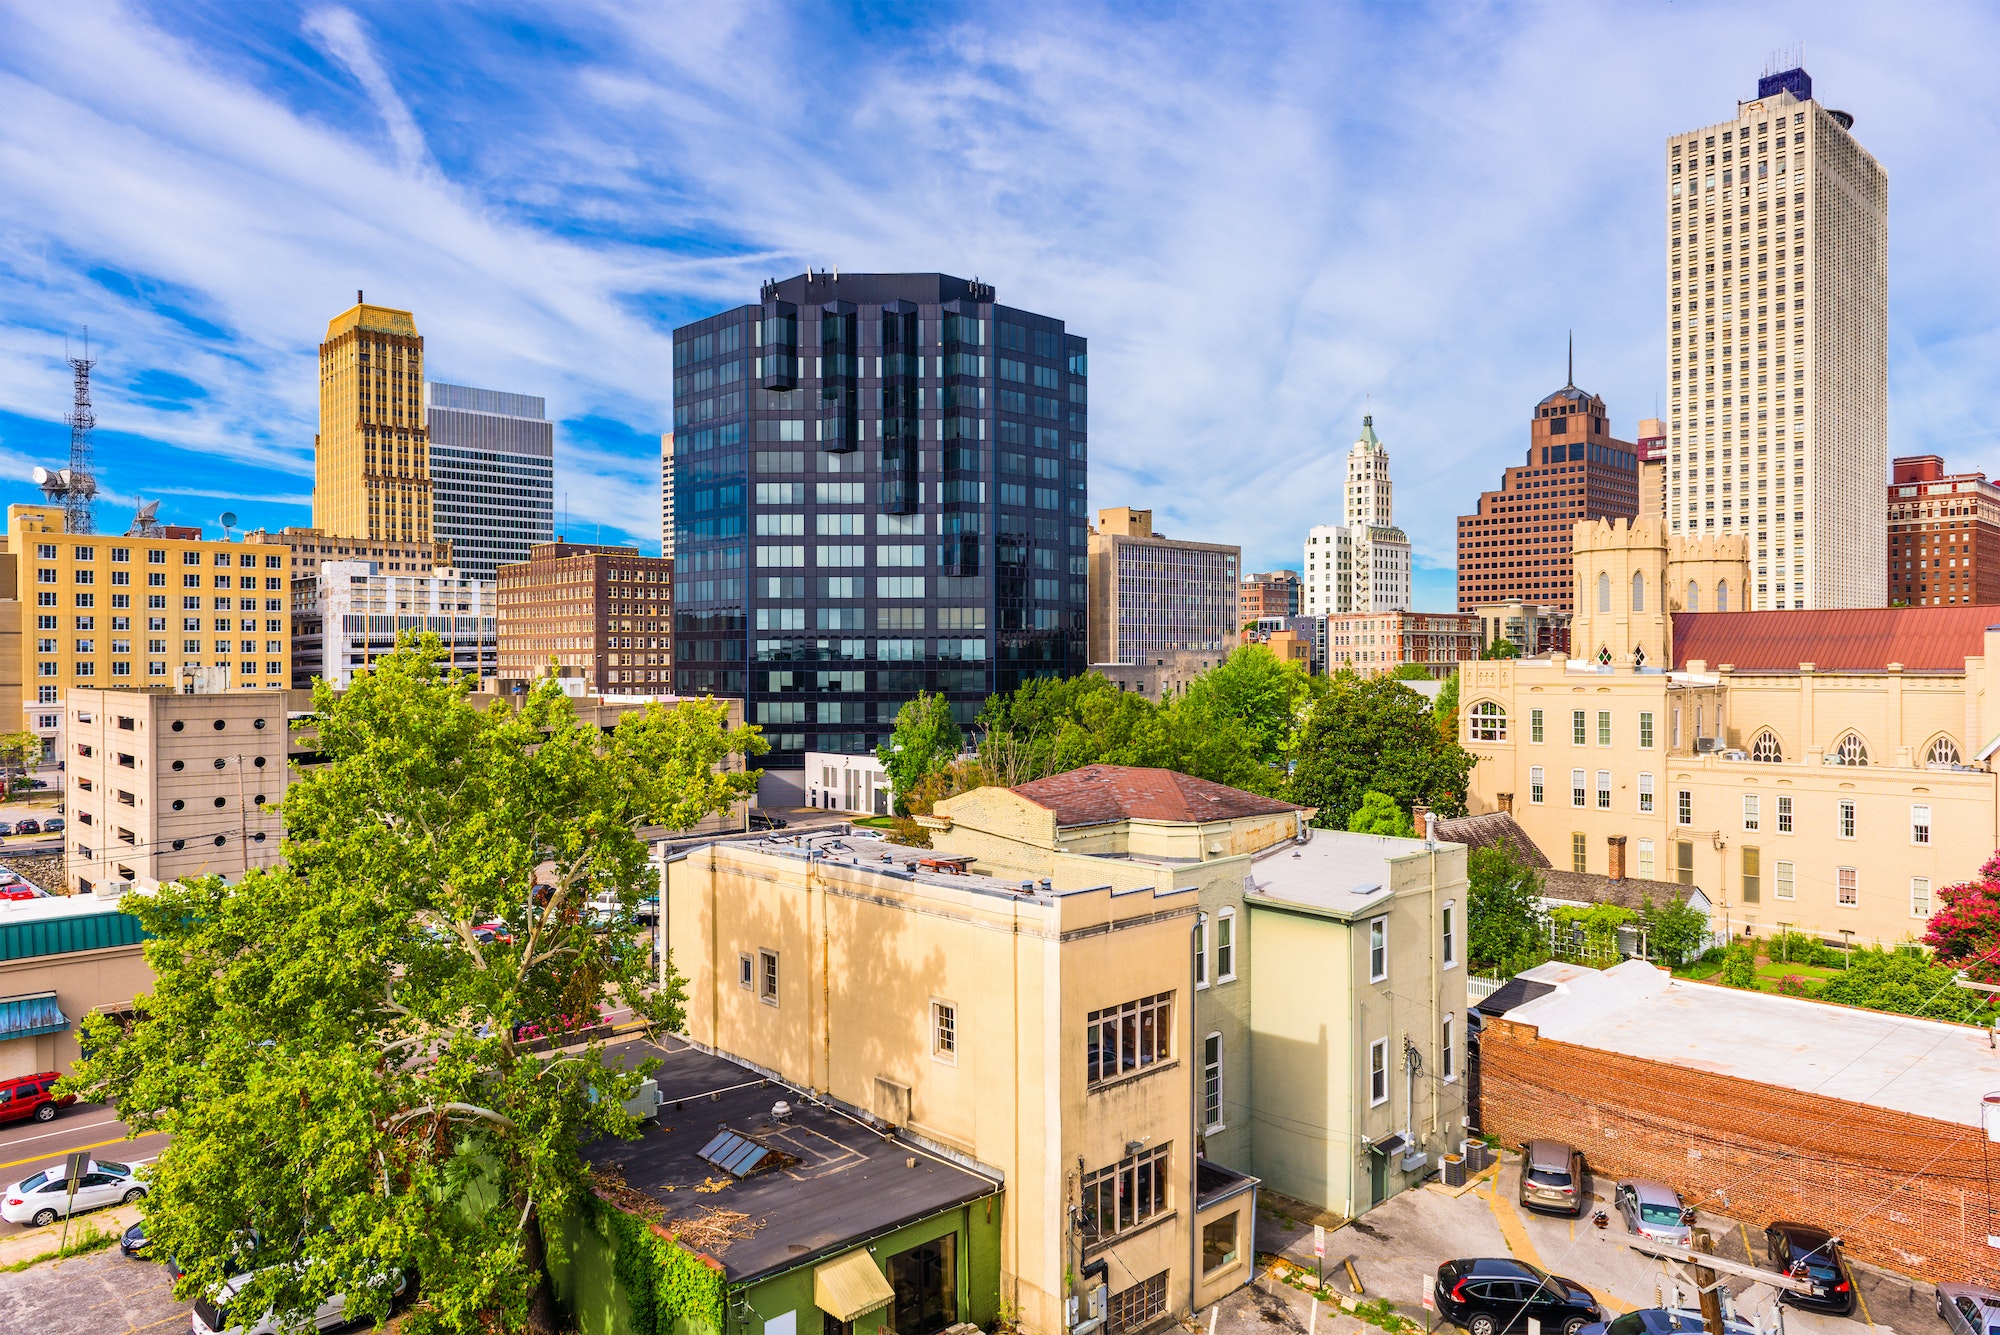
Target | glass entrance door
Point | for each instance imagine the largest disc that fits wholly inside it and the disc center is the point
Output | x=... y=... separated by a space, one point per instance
x=925 y=1279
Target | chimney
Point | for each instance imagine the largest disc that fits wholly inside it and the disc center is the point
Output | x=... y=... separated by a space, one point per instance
x=1506 y=801
x=357 y=296
x=1617 y=859
x=1419 y=814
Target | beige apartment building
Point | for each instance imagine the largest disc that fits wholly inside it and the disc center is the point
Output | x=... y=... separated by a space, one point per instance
x=1041 y=1033
x=163 y=782
x=310 y=546
x=1821 y=771
x=97 y=610
x=1151 y=595
x=1777 y=239
x=371 y=458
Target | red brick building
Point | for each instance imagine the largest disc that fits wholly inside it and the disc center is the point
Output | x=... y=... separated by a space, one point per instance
x=1516 y=546
x=1944 y=535
x=598 y=612
x=1758 y=1107
x=1273 y=593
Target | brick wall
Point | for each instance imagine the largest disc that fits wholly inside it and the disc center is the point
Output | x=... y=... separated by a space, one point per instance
x=1905 y=1192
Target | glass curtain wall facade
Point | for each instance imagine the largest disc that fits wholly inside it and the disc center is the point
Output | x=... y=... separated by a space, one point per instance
x=492 y=474
x=879 y=488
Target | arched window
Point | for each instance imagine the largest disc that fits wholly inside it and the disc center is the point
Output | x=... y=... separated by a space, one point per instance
x=1603 y=592
x=1942 y=754
x=1851 y=750
x=1694 y=596
x=1489 y=722
x=1766 y=748
x=1722 y=595
x=1638 y=591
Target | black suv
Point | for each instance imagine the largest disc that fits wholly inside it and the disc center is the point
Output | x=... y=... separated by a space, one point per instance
x=1813 y=1255
x=1494 y=1294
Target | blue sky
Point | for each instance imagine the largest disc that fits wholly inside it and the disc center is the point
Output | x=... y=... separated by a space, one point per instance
x=1267 y=220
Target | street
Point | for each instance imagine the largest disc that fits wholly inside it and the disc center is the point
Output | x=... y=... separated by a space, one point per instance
x=28 y=1147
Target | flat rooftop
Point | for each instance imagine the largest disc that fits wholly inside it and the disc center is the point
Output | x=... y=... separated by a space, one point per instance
x=922 y=865
x=842 y=1182
x=1925 y=1067
x=1333 y=872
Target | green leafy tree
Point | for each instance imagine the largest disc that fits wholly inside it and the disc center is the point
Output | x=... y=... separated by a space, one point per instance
x=1739 y=965
x=1375 y=735
x=1379 y=814
x=926 y=739
x=1409 y=672
x=1444 y=709
x=18 y=751
x=332 y=1044
x=1908 y=982
x=1676 y=931
x=1049 y=725
x=1265 y=696
x=1505 y=928
x=1500 y=648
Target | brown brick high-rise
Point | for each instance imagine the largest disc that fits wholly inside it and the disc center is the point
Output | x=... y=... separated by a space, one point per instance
x=597 y=612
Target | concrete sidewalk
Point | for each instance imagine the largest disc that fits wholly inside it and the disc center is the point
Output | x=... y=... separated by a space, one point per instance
x=34 y=1243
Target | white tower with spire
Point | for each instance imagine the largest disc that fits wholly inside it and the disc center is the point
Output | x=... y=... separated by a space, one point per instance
x=1361 y=564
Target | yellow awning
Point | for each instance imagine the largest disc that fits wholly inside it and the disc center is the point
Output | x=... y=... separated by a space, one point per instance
x=850 y=1286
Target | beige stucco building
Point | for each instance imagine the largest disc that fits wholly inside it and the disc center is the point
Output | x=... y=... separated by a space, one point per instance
x=1823 y=771
x=61 y=959
x=1036 y=1032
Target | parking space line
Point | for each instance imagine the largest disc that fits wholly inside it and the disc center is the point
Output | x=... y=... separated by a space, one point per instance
x=1512 y=1229
x=1859 y=1298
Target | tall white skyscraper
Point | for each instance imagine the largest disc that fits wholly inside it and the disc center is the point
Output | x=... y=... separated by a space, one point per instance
x=492 y=458
x=1777 y=338
x=667 y=495
x=1363 y=563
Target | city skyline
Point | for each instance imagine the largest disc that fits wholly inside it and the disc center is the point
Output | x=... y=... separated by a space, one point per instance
x=1374 y=286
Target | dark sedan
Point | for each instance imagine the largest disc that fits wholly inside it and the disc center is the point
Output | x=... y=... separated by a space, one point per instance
x=1492 y=1295
x=1812 y=1254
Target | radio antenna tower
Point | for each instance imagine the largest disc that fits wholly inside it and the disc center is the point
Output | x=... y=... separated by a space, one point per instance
x=75 y=487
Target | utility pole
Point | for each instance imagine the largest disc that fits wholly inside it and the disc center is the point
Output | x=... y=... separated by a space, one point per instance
x=1711 y=1301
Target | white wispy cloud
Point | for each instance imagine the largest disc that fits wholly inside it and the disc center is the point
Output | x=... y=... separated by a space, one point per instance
x=1267 y=220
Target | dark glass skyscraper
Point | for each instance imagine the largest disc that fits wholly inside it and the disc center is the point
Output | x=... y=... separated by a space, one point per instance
x=879 y=488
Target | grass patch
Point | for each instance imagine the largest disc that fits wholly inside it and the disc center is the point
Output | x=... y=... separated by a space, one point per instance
x=874 y=822
x=90 y=1239
x=1773 y=972
x=1700 y=969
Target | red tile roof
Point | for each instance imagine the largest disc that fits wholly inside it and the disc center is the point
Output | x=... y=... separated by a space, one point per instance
x=1867 y=639
x=1098 y=794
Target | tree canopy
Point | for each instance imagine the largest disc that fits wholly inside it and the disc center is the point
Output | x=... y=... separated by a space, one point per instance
x=1964 y=929
x=926 y=739
x=1379 y=814
x=1375 y=735
x=338 y=1045
x=1505 y=928
x=1500 y=648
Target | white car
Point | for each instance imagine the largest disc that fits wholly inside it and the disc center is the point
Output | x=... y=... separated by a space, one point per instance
x=46 y=1197
x=212 y=1317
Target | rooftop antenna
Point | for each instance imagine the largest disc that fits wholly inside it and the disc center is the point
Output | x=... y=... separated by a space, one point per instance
x=1571 y=382
x=228 y=521
x=75 y=487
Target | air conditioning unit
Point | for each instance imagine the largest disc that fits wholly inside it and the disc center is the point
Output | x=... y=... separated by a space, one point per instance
x=1706 y=745
x=1735 y=755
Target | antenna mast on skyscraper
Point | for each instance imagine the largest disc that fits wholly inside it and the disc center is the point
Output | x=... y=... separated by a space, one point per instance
x=75 y=487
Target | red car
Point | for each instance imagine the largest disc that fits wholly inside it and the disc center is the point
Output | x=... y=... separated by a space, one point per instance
x=28 y=1096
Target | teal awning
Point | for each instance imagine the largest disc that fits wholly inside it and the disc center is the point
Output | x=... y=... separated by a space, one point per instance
x=36 y=1013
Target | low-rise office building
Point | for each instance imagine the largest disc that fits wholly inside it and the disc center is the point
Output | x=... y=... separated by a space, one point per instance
x=1273 y=593
x=1151 y=595
x=349 y=613
x=1165 y=674
x=160 y=784
x=1377 y=643
x=61 y=959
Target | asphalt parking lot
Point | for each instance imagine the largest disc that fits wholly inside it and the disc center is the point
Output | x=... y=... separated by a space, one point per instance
x=99 y=1294
x=1398 y=1244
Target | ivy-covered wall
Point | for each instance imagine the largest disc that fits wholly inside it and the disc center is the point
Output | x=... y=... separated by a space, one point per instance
x=616 y=1276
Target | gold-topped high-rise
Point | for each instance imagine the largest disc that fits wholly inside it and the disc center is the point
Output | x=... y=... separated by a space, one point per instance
x=371 y=459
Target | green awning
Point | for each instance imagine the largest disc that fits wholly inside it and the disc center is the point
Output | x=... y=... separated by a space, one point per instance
x=36 y=1013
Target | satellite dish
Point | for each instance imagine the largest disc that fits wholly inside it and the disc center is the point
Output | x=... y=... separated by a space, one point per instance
x=41 y=476
x=229 y=519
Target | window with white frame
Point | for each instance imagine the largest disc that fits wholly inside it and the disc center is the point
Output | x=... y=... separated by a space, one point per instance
x=1578 y=795
x=1784 y=814
x=1645 y=859
x=1211 y=1082
x=1645 y=729
x=1534 y=725
x=1604 y=790
x=1604 y=727
x=746 y=973
x=1489 y=722
x=1920 y=823
x=1579 y=727
x=944 y=1031
x=1784 y=880
x=1448 y=934
x=1844 y=824
x=1752 y=813
x=1447 y=1054
x=1225 y=946
x=1677 y=726
x=1920 y=896
x=1378 y=1072
x=1201 y=950
x=1645 y=793
x=1378 y=949
x=1848 y=882
x=767 y=977
x=1537 y=787
x=1684 y=807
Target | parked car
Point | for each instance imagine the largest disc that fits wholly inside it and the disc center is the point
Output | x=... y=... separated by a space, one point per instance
x=1491 y=1295
x=28 y=1096
x=647 y=909
x=1663 y=1321
x=46 y=1197
x=212 y=1316
x=1969 y=1309
x=22 y=890
x=1808 y=1252
x=6 y=827
x=487 y=933
x=28 y=826
x=1552 y=1177
x=1653 y=1210
x=53 y=825
x=133 y=1242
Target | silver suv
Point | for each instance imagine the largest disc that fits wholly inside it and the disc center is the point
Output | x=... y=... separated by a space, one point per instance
x=1552 y=1177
